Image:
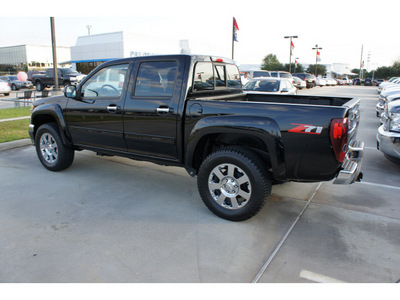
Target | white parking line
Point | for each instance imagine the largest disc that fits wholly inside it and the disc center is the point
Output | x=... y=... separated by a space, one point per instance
x=272 y=256
x=381 y=185
x=318 y=277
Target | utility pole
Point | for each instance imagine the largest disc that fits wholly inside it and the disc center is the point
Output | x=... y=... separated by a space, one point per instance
x=316 y=58
x=53 y=44
x=361 y=62
x=290 y=47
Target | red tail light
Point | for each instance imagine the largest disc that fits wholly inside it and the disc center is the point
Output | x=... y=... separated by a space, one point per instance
x=339 y=137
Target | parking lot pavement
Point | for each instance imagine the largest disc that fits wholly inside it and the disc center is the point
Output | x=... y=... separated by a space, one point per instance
x=108 y=219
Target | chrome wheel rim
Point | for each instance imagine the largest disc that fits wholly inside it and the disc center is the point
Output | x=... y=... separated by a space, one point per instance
x=49 y=148
x=229 y=186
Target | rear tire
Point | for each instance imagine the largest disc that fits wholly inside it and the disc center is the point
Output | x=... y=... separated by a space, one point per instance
x=39 y=86
x=51 y=151
x=233 y=183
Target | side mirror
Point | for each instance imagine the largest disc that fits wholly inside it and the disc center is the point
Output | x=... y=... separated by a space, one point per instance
x=70 y=91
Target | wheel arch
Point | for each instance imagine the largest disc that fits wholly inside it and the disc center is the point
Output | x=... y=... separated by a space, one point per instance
x=50 y=113
x=261 y=135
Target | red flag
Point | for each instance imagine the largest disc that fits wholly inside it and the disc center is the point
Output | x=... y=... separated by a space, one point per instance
x=235 y=30
x=291 y=46
x=235 y=24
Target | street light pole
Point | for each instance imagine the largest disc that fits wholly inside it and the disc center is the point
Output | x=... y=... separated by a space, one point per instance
x=290 y=47
x=53 y=42
x=316 y=58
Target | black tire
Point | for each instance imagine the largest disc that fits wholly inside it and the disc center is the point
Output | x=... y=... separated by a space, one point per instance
x=14 y=87
x=233 y=183
x=51 y=151
x=39 y=86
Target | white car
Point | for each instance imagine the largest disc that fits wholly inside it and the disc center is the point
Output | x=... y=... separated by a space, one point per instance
x=321 y=82
x=388 y=137
x=347 y=80
x=5 y=88
x=330 y=81
x=394 y=81
x=299 y=83
x=268 y=85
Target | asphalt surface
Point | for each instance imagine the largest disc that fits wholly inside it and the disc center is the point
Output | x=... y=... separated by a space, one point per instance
x=118 y=220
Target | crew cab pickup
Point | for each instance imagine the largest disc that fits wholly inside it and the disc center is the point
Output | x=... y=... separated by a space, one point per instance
x=66 y=76
x=191 y=111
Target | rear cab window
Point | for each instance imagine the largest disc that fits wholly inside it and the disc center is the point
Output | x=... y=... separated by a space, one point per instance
x=209 y=76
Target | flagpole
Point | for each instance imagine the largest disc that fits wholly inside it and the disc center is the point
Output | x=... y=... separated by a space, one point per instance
x=316 y=58
x=233 y=36
x=290 y=47
x=361 y=64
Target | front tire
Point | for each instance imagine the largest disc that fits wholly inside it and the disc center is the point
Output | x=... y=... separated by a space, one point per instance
x=52 y=153
x=233 y=183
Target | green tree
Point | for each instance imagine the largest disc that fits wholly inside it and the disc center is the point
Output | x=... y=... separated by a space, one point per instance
x=271 y=63
x=364 y=72
x=294 y=69
x=388 y=72
x=321 y=70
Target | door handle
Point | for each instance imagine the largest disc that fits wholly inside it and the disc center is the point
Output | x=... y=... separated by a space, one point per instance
x=113 y=108
x=163 y=110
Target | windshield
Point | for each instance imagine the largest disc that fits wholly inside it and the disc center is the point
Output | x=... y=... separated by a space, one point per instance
x=261 y=74
x=262 y=85
x=13 y=78
x=285 y=75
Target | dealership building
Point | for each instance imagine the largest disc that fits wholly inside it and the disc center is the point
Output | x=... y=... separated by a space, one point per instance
x=31 y=57
x=92 y=50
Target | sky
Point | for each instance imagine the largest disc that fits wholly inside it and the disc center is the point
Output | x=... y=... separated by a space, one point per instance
x=341 y=28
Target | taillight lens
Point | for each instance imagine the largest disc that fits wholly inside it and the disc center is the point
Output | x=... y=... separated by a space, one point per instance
x=339 y=137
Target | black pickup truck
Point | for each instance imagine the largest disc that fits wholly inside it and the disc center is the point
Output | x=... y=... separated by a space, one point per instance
x=191 y=111
x=66 y=76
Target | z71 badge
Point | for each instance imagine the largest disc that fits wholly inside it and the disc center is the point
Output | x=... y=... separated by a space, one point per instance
x=305 y=128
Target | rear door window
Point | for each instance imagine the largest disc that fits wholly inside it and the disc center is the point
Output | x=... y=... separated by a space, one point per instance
x=156 y=79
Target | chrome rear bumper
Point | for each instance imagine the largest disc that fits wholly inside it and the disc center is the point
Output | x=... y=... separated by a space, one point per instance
x=351 y=167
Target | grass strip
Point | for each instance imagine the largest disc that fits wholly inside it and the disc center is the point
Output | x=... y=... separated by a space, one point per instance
x=8 y=113
x=14 y=130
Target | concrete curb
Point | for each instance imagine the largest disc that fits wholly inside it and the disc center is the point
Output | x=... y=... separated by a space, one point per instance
x=15 y=144
x=15 y=119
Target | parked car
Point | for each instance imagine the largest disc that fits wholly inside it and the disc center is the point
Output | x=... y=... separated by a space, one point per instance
x=30 y=73
x=5 y=88
x=385 y=97
x=347 y=80
x=310 y=79
x=321 y=82
x=368 y=81
x=66 y=76
x=341 y=81
x=282 y=74
x=330 y=81
x=256 y=73
x=377 y=81
x=391 y=82
x=15 y=83
x=266 y=85
x=299 y=83
x=388 y=136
